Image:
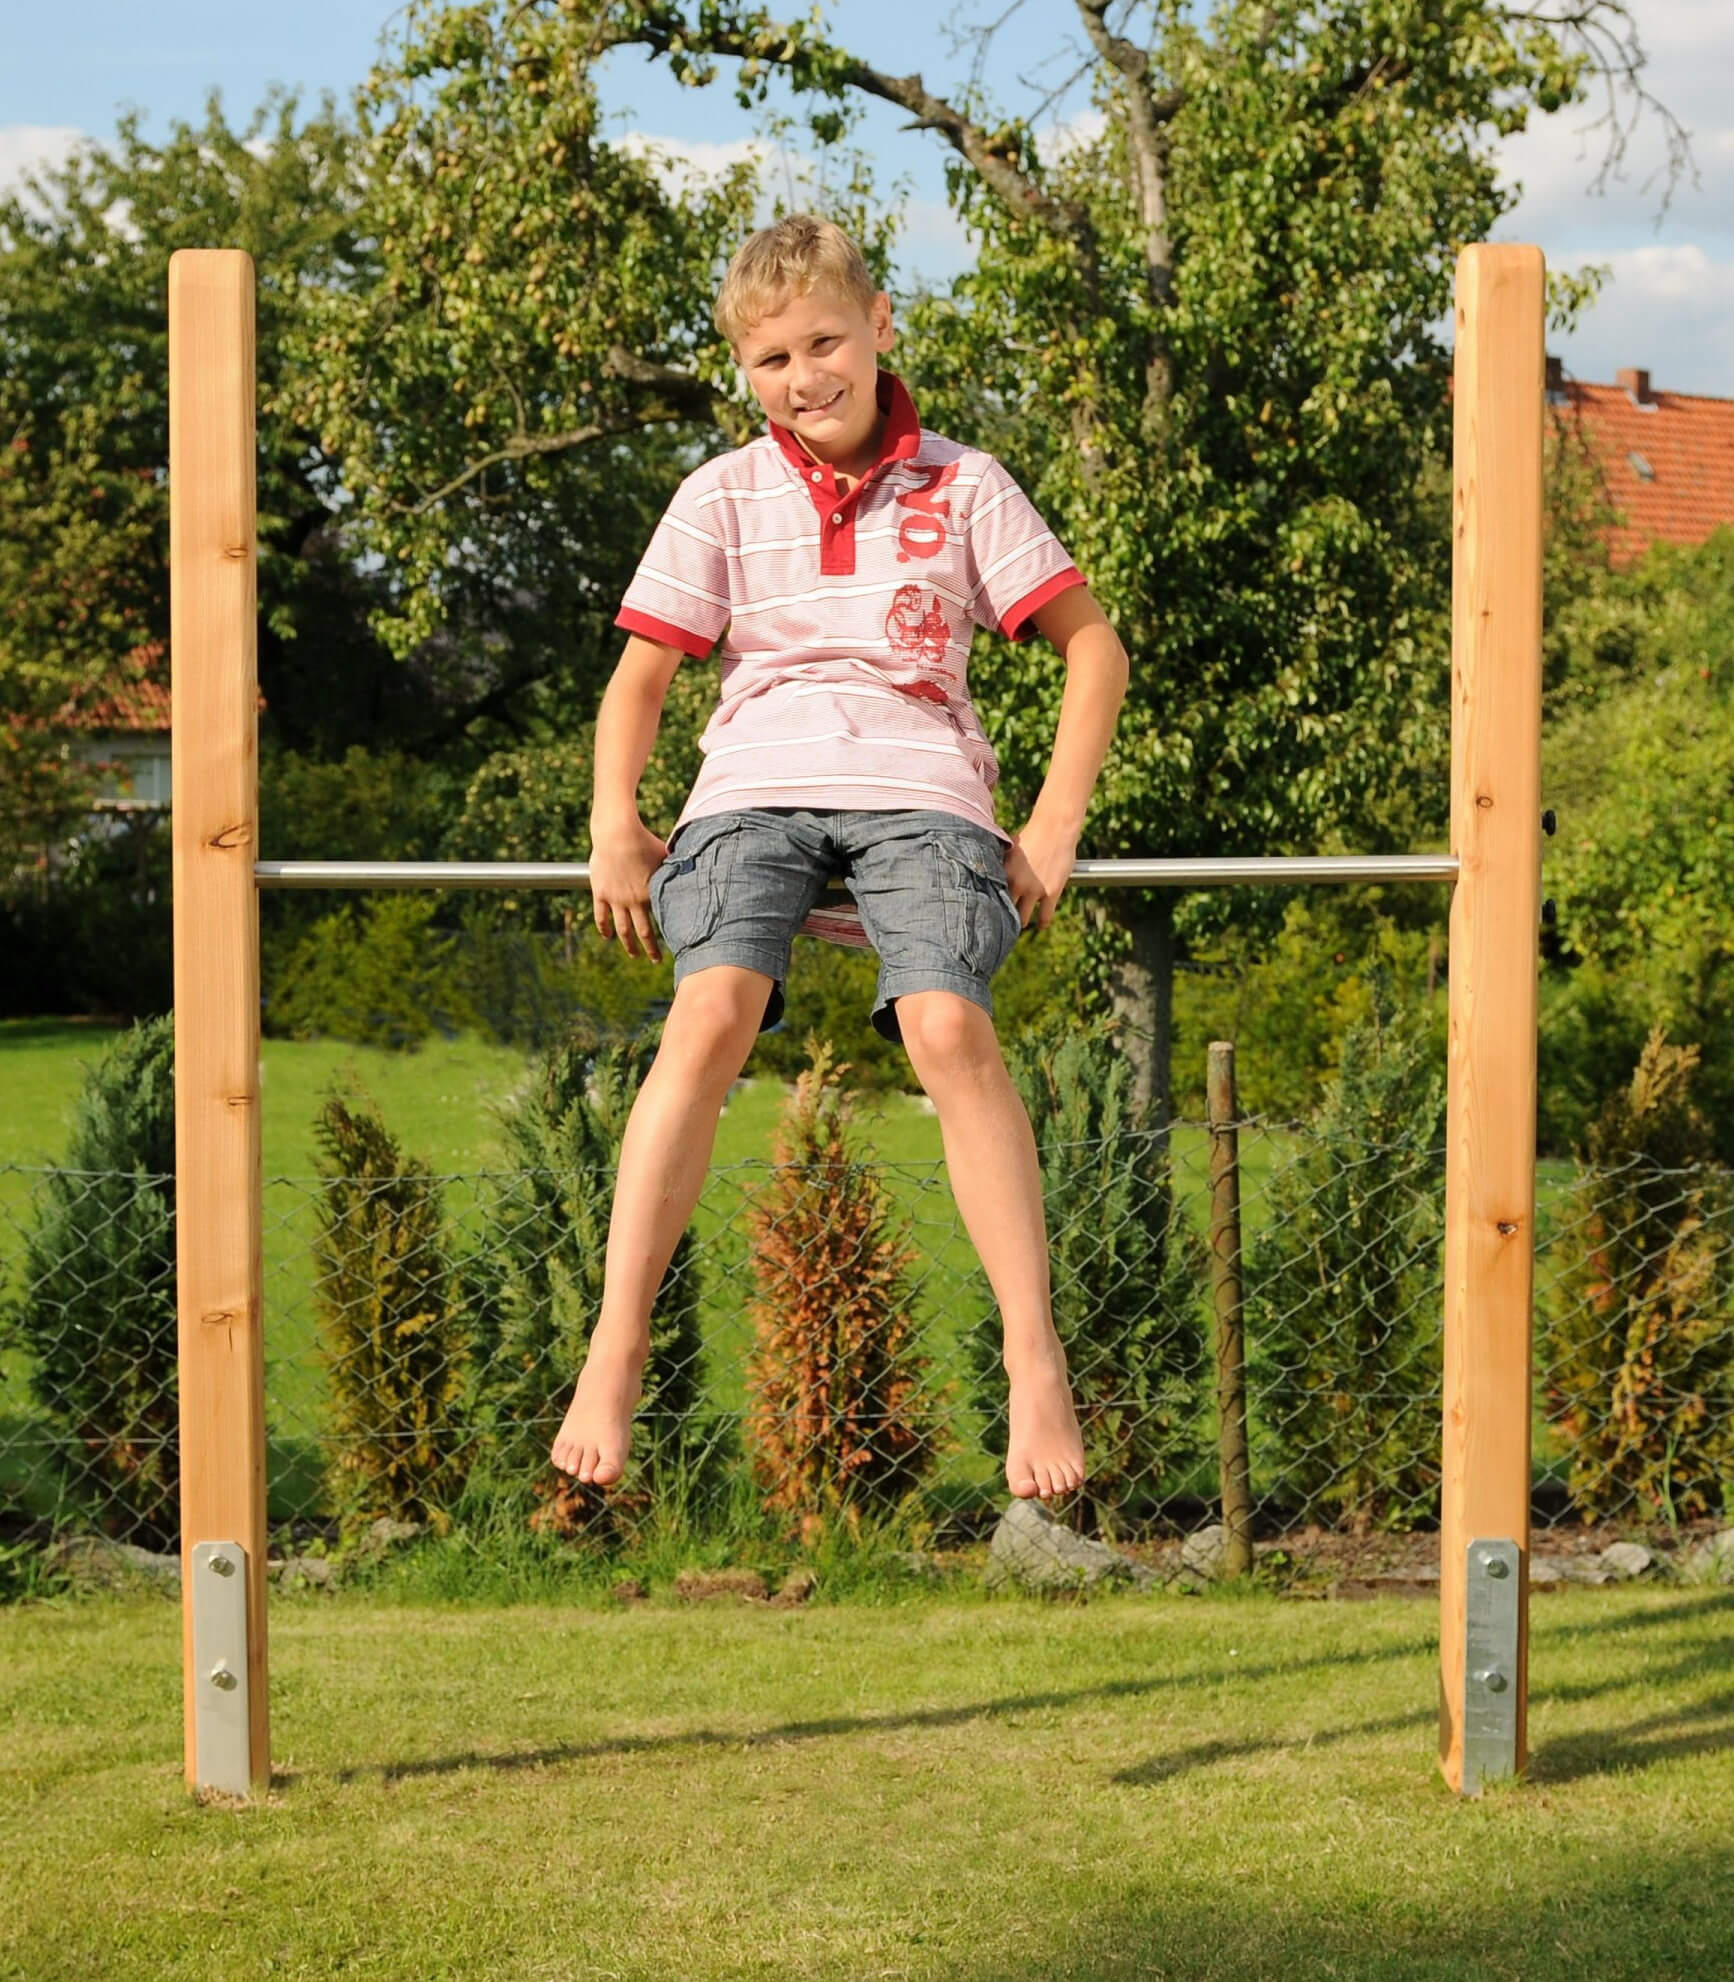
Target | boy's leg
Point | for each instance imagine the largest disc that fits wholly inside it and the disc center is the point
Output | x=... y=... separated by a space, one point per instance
x=664 y=1156
x=935 y=901
x=990 y=1154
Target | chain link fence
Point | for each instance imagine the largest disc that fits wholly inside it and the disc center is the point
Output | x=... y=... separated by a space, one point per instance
x=422 y=1334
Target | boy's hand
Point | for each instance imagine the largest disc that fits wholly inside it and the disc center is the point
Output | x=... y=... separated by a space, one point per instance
x=1038 y=864
x=623 y=856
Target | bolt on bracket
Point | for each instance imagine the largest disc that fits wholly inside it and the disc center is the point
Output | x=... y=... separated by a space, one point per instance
x=1493 y=1595
x=222 y=1724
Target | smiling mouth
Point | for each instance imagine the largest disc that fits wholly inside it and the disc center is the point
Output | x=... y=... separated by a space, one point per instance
x=807 y=412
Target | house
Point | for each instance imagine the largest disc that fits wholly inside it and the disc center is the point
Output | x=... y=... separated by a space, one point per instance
x=1665 y=459
x=125 y=734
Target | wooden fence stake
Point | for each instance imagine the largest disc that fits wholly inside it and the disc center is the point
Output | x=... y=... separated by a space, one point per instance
x=1492 y=967
x=1225 y=1286
x=214 y=682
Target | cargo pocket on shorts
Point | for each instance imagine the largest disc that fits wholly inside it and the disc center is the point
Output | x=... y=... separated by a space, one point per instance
x=688 y=890
x=981 y=919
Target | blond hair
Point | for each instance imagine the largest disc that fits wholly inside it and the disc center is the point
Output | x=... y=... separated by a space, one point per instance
x=770 y=268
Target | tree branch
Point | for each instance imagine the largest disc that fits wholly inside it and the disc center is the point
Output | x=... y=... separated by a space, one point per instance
x=679 y=396
x=759 y=42
x=1603 y=30
x=1147 y=119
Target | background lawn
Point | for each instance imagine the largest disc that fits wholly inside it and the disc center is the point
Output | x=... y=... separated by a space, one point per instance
x=1143 y=1787
x=442 y=1102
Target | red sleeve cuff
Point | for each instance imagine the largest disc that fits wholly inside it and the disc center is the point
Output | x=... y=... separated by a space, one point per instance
x=1017 y=623
x=632 y=621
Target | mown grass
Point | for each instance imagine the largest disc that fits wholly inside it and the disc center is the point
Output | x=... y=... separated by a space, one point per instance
x=910 y=1787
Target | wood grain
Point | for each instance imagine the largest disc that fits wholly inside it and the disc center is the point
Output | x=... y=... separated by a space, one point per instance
x=1493 y=962
x=213 y=660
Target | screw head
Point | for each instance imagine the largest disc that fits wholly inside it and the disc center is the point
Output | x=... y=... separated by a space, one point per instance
x=223 y=1565
x=1493 y=1679
x=222 y=1678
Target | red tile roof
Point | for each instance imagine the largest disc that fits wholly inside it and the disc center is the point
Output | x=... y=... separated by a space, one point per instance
x=1666 y=458
x=135 y=699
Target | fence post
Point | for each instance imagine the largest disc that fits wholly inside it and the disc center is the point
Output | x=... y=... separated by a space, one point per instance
x=1226 y=1293
x=213 y=610
x=1492 y=967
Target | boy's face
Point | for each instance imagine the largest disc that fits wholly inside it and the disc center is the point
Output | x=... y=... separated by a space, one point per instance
x=812 y=367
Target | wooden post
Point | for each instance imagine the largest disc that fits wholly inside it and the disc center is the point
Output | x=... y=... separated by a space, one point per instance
x=214 y=681
x=1236 y=1476
x=1492 y=966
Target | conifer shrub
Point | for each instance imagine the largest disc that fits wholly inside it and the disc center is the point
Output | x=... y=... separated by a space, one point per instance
x=1638 y=1342
x=1127 y=1275
x=841 y=1422
x=537 y=1287
x=1342 y=1301
x=95 y=1302
x=379 y=973
x=391 y=1330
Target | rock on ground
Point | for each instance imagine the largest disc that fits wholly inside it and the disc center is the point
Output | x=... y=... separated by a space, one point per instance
x=95 y=1562
x=1626 y=1558
x=1035 y=1550
x=700 y=1585
x=1711 y=1561
x=1203 y=1553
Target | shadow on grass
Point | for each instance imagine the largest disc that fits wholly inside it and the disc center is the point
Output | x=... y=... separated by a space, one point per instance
x=1664 y=1917
x=1704 y=1728
x=842 y=1726
x=1206 y=1754
x=1701 y=1728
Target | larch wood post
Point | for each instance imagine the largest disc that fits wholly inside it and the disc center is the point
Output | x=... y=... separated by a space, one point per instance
x=214 y=683
x=1493 y=960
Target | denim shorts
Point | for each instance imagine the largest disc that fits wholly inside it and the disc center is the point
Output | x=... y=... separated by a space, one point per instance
x=931 y=888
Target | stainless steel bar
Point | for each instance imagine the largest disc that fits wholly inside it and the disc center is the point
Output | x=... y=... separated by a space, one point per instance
x=569 y=876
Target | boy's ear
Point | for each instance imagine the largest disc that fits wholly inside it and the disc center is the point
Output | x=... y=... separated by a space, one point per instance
x=881 y=315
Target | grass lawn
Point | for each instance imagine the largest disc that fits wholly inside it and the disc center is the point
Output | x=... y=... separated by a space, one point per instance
x=961 y=1790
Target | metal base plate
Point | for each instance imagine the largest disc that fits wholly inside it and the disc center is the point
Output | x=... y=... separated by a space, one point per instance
x=1490 y=1675
x=221 y=1720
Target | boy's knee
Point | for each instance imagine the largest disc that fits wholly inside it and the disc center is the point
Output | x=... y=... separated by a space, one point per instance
x=943 y=1029
x=716 y=1015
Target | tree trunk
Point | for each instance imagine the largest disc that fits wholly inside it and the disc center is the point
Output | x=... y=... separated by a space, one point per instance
x=1141 y=996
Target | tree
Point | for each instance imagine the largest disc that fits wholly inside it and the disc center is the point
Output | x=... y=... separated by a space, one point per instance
x=93 y=1305
x=843 y=1415
x=515 y=396
x=84 y=250
x=1638 y=1350
x=1206 y=341
x=1640 y=770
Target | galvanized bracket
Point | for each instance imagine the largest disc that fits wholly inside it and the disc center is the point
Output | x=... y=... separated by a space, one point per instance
x=221 y=1720
x=1490 y=1672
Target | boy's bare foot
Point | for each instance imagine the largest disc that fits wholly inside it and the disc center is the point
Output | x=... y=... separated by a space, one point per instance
x=592 y=1442
x=1045 y=1453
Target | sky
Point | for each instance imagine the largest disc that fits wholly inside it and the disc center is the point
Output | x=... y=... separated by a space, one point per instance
x=1668 y=305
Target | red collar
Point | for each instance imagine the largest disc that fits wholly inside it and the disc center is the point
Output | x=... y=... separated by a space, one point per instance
x=900 y=440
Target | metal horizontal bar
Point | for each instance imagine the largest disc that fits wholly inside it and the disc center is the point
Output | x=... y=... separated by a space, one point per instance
x=561 y=876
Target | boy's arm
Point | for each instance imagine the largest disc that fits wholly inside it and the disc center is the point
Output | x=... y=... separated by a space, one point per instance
x=624 y=852
x=1097 y=672
x=626 y=726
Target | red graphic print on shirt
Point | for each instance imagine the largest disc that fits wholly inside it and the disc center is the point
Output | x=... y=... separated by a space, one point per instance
x=921 y=535
x=916 y=629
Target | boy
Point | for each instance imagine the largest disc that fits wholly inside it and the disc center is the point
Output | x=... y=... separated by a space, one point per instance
x=849 y=554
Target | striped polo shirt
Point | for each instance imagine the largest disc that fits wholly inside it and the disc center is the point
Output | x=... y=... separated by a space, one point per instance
x=846 y=620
